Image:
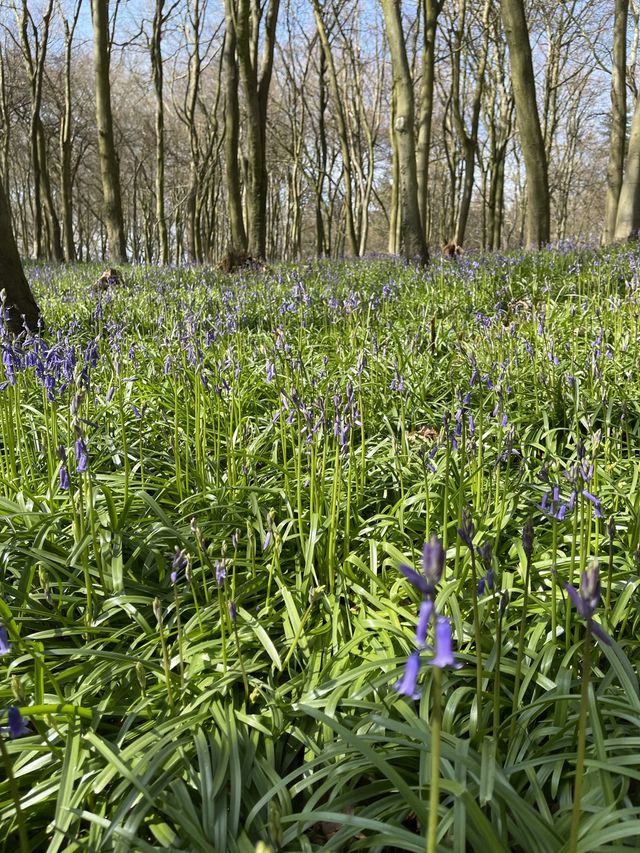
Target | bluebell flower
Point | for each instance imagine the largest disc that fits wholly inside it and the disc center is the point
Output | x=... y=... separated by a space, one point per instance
x=180 y=561
x=221 y=571
x=486 y=582
x=17 y=724
x=424 y=617
x=587 y=599
x=444 y=645
x=468 y=530
x=406 y=686
x=81 y=456
x=432 y=566
x=5 y=645
x=64 y=478
x=232 y=612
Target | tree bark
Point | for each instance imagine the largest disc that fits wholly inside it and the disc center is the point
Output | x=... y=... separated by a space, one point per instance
x=413 y=239
x=628 y=215
x=20 y=306
x=432 y=9
x=232 y=134
x=528 y=121
x=343 y=134
x=615 y=168
x=109 y=167
x=157 y=75
x=255 y=83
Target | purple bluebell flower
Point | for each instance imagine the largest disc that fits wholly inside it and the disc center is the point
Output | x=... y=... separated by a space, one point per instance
x=486 y=583
x=444 y=645
x=232 y=612
x=82 y=458
x=17 y=723
x=64 y=478
x=221 y=571
x=424 y=617
x=432 y=566
x=597 y=507
x=468 y=530
x=5 y=645
x=406 y=686
x=587 y=599
x=271 y=371
x=180 y=561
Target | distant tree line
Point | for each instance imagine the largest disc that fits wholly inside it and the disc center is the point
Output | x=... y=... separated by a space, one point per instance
x=175 y=132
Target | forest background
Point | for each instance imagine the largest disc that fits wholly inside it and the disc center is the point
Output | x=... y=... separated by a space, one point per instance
x=290 y=107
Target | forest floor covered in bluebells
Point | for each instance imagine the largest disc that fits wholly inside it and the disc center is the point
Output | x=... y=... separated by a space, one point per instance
x=220 y=628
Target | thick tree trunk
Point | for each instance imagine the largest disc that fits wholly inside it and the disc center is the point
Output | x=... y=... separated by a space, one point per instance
x=628 y=216
x=20 y=306
x=256 y=83
x=109 y=168
x=531 y=140
x=413 y=239
x=615 y=168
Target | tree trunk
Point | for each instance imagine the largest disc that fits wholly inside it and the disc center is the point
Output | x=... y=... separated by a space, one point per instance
x=256 y=84
x=618 y=119
x=628 y=216
x=109 y=167
x=232 y=134
x=432 y=9
x=531 y=140
x=66 y=179
x=342 y=128
x=157 y=75
x=413 y=238
x=20 y=306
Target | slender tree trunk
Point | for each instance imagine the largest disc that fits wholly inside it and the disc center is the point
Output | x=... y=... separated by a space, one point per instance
x=342 y=128
x=432 y=9
x=232 y=134
x=66 y=178
x=109 y=167
x=321 y=246
x=53 y=223
x=468 y=140
x=157 y=74
x=615 y=168
x=531 y=140
x=20 y=306
x=413 y=238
